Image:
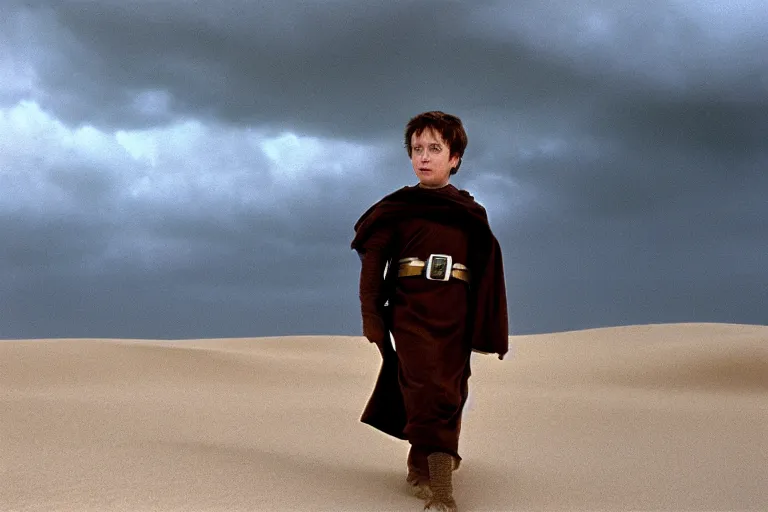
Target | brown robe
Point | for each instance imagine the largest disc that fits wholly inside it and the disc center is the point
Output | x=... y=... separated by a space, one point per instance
x=423 y=386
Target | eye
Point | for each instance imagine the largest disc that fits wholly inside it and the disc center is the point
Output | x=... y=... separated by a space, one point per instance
x=417 y=149
x=435 y=148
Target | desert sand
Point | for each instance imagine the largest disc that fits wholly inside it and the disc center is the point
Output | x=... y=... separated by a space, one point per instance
x=654 y=417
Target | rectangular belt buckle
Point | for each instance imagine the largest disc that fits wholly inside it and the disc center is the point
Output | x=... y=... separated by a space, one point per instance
x=439 y=267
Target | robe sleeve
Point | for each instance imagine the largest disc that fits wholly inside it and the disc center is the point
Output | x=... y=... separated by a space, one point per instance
x=374 y=255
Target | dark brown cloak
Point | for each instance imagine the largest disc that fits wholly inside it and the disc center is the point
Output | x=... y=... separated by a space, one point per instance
x=488 y=330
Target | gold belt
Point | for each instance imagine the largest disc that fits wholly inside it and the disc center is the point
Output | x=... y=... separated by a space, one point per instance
x=436 y=268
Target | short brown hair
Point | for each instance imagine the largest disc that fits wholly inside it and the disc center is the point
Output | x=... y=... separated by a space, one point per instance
x=449 y=127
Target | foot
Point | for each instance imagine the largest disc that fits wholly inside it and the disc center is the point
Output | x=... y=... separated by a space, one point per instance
x=422 y=491
x=419 y=487
x=441 y=506
x=441 y=465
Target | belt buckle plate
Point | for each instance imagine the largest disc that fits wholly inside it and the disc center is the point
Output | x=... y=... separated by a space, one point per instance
x=439 y=267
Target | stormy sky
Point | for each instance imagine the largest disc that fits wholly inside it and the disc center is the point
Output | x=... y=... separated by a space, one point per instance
x=175 y=169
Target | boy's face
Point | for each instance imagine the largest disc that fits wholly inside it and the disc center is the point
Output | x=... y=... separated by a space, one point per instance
x=431 y=160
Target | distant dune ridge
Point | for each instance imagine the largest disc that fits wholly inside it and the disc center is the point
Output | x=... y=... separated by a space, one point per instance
x=652 y=417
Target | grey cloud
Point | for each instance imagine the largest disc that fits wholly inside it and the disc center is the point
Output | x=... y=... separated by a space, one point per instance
x=84 y=185
x=314 y=67
x=685 y=47
x=45 y=245
x=728 y=127
x=623 y=168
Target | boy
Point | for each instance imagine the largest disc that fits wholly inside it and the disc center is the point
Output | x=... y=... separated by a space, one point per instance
x=443 y=297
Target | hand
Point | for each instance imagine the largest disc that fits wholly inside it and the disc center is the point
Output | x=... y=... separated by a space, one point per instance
x=374 y=329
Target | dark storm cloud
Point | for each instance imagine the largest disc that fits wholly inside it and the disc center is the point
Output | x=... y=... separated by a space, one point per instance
x=619 y=149
x=339 y=67
x=733 y=129
x=161 y=272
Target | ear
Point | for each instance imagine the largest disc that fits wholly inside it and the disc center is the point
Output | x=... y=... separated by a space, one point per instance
x=455 y=164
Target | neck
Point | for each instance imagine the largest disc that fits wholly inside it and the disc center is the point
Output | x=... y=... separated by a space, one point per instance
x=433 y=186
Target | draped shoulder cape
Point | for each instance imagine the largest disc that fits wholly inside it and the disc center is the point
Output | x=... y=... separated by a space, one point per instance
x=489 y=329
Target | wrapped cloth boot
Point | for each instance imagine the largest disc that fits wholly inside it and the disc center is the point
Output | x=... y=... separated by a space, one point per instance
x=419 y=486
x=441 y=466
x=418 y=473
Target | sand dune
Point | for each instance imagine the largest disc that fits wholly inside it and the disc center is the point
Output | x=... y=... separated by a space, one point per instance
x=659 y=417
